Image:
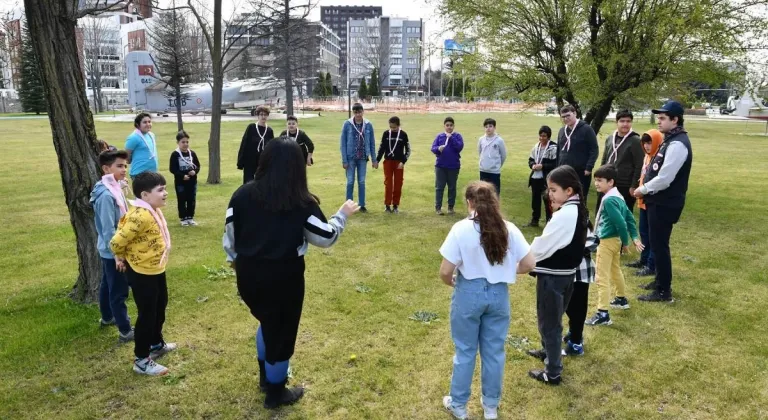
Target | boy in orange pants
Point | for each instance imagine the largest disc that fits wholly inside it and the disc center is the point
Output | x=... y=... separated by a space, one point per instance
x=396 y=150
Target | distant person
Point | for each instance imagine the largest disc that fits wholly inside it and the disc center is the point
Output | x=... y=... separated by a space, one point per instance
x=358 y=144
x=254 y=141
x=447 y=147
x=185 y=168
x=493 y=153
x=646 y=265
x=109 y=206
x=395 y=150
x=143 y=241
x=482 y=255
x=300 y=137
x=624 y=152
x=558 y=253
x=141 y=146
x=577 y=146
x=270 y=224
x=542 y=160
x=616 y=228
x=664 y=190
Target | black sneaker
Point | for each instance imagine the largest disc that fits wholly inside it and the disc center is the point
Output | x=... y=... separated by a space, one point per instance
x=636 y=264
x=649 y=286
x=279 y=394
x=450 y=211
x=395 y=210
x=533 y=223
x=387 y=209
x=567 y=337
x=620 y=303
x=363 y=210
x=655 y=296
x=439 y=212
x=543 y=376
x=600 y=318
x=538 y=354
x=645 y=272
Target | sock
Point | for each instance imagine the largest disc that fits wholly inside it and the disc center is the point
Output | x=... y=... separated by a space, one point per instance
x=277 y=372
x=261 y=348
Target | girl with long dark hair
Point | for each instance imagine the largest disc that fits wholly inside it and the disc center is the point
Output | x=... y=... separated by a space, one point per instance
x=485 y=252
x=270 y=223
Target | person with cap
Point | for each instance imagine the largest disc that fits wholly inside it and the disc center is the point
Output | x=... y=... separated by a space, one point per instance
x=663 y=191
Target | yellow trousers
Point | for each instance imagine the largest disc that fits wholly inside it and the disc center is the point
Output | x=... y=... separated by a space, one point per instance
x=609 y=272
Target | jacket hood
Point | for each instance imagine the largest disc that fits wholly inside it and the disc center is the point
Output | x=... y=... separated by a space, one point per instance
x=98 y=190
x=656 y=139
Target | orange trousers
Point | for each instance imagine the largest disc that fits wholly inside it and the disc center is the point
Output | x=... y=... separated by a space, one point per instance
x=393 y=182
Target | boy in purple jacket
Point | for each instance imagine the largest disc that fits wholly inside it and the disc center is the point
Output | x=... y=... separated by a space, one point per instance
x=447 y=147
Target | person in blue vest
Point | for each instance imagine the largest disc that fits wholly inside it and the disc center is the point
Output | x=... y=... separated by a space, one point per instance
x=141 y=146
x=663 y=191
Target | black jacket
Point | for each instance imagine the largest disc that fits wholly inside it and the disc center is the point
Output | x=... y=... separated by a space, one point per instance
x=583 y=150
x=548 y=162
x=180 y=166
x=251 y=146
x=303 y=140
x=394 y=149
x=629 y=159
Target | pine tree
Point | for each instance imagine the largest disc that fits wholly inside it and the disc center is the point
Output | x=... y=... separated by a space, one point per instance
x=31 y=91
x=373 y=88
x=328 y=84
x=362 y=91
x=246 y=66
x=319 y=90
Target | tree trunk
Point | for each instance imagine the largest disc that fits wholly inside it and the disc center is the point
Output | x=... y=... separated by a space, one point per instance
x=598 y=112
x=52 y=31
x=179 y=122
x=287 y=55
x=93 y=91
x=214 y=142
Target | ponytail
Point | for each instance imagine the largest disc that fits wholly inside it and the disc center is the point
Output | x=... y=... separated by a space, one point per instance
x=494 y=237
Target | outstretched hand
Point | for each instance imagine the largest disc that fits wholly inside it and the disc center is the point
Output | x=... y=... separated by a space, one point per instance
x=639 y=245
x=349 y=208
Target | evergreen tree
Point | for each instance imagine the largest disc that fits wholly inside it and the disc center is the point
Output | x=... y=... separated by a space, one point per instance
x=31 y=91
x=328 y=84
x=246 y=66
x=319 y=90
x=373 y=89
x=362 y=91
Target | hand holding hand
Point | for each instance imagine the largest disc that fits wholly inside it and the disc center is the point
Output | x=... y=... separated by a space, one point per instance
x=375 y=165
x=349 y=208
x=401 y=165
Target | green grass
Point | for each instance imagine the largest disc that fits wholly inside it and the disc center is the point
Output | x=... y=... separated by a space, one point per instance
x=705 y=356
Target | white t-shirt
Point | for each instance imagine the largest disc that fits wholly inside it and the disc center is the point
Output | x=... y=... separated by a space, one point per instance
x=462 y=248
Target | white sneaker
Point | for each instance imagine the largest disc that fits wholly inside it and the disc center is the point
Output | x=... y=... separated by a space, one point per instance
x=457 y=411
x=160 y=352
x=489 y=413
x=191 y=222
x=185 y=222
x=149 y=367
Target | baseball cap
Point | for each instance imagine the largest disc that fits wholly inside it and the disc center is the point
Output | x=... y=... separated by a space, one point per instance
x=671 y=108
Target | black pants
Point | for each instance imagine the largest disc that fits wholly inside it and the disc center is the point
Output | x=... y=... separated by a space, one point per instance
x=274 y=292
x=186 y=195
x=494 y=179
x=553 y=294
x=629 y=199
x=538 y=187
x=577 y=311
x=661 y=220
x=586 y=181
x=150 y=292
x=442 y=177
x=248 y=174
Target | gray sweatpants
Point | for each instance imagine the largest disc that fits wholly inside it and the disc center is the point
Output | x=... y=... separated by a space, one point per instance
x=552 y=296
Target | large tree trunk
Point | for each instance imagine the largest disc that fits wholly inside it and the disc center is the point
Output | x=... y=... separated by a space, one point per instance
x=52 y=31
x=598 y=113
x=214 y=141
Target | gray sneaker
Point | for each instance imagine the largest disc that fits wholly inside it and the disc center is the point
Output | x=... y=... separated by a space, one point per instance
x=124 y=338
x=108 y=323
x=489 y=413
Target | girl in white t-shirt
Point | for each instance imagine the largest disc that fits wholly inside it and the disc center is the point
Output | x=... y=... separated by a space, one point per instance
x=486 y=253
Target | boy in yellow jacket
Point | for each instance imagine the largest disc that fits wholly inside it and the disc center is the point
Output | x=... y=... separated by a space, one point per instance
x=142 y=242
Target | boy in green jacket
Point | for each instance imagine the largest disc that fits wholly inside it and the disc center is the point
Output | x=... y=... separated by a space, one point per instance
x=615 y=228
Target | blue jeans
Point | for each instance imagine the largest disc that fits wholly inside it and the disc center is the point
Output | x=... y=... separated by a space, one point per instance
x=479 y=319
x=112 y=295
x=646 y=257
x=359 y=166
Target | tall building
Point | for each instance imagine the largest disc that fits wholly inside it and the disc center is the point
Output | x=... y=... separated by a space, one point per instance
x=336 y=17
x=11 y=51
x=392 y=45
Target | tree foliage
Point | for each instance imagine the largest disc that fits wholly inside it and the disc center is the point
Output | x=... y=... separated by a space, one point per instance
x=362 y=91
x=31 y=91
x=373 y=88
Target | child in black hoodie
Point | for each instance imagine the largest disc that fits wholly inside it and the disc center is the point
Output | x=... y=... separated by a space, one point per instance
x=185 y=167
x=300 y=137
x=396 y=150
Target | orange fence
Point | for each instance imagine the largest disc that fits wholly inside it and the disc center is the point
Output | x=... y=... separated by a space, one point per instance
x=420 y=106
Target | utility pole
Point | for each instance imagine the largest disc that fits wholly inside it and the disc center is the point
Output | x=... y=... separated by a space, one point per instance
x=349 y=90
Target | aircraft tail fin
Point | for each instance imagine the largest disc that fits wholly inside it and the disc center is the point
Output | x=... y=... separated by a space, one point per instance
x=142 y=73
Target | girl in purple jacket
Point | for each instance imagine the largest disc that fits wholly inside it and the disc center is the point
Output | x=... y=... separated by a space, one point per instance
x=447 y=147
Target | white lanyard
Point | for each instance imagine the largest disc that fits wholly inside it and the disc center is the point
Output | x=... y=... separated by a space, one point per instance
x=361 y=132
x=260 y=146
x=152 y=151
x=189 y=160
x=447 y=137
x=568 y=136
x=296 y=139
x=397 y=138
x=615 y=154
x=539 y=156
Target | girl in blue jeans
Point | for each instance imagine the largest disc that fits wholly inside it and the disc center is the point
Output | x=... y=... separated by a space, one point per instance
x=486 y=253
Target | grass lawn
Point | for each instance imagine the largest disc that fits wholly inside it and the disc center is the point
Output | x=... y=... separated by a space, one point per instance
x=702 y=357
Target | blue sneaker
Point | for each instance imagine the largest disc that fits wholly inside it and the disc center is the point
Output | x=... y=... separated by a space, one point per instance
x=572 y=349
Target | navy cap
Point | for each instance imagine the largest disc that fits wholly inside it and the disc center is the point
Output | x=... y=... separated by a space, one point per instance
x=670 y=108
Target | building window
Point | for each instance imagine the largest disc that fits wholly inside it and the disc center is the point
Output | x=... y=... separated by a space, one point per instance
x=396 y=61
